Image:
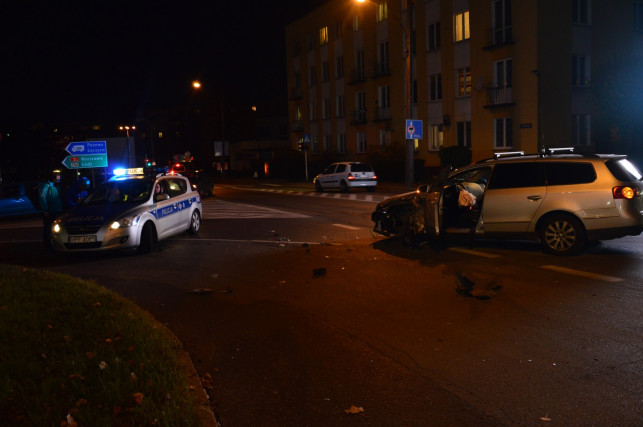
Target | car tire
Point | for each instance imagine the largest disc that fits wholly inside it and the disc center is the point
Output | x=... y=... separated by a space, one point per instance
x=343 y=187
x=318 y=187
x=195 y=223
x=148 y=239
x=562 y=234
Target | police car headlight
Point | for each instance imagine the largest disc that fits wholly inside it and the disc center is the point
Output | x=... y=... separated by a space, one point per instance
x=124 y=222
x=55 y=227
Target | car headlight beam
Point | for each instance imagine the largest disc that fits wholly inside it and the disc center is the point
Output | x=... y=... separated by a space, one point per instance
x=128 y=221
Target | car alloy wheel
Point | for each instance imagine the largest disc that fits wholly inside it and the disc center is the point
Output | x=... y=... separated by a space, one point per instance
x=562 y=235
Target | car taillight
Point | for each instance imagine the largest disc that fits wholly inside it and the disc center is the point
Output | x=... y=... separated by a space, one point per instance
x=350 y=177
x=625 y=192
x=374 y=176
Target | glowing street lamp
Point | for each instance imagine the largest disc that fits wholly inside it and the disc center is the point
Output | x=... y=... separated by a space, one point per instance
x=196 y=84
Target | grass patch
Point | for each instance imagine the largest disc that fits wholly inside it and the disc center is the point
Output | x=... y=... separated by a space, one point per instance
x=74 y=352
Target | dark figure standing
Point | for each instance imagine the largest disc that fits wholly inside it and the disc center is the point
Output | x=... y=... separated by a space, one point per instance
x=51 y=206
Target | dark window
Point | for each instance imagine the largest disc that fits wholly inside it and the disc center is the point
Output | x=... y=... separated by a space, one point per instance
x=564 y=173
x=516 y=175
x=361 y=167
x=340 y=168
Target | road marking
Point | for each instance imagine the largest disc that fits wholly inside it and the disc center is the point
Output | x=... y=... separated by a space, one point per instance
x=219 y=209
x=476 y=253
x=582 y=273
x=278 y=242
x=348 y=227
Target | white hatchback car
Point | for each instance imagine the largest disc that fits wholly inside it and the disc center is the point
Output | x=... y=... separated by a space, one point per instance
x=129 y=211
x=346 y=175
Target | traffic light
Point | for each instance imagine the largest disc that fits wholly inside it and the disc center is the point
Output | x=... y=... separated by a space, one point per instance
x=300 y=145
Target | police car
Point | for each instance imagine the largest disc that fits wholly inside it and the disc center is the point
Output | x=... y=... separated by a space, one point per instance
x=130 y=210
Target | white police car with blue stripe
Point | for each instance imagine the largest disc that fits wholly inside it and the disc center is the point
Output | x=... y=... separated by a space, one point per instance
x=130 y=211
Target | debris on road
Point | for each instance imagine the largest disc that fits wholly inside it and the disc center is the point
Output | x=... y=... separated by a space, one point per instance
x=206 y=291
x=478 y=286
x=354 y=410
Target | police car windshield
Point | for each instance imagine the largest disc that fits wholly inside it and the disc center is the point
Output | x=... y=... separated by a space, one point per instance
x=119 y=192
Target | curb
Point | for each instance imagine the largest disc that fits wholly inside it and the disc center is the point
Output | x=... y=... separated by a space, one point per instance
x=205 y=413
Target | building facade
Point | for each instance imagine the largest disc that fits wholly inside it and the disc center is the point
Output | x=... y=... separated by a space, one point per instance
x=491 y=75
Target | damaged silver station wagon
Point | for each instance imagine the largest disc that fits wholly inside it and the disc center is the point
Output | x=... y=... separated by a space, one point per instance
x=560 y=198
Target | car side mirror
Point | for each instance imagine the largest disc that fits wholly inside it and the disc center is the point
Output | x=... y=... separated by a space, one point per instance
x=161 y=196
x=424 y=188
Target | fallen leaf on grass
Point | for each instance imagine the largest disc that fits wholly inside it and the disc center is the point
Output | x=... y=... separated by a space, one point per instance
x=138 y=398
x=354 y=410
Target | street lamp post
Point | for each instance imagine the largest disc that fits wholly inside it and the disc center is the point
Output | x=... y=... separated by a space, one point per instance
x=127 y=146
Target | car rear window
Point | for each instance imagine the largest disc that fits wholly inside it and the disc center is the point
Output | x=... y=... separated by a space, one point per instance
x=361 y=167
x=516 y=175
x=565 y=173
x=623 y=170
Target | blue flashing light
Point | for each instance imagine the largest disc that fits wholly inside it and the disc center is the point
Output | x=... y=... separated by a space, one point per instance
x=120 y=171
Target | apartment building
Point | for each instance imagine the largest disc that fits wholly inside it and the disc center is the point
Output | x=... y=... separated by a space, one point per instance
x=491 y=75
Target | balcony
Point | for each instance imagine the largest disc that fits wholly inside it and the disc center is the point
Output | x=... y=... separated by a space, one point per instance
x=499 y=97
x=358 y=117
x=497 y=37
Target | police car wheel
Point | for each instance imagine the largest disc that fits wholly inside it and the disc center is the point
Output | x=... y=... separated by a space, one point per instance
x=148 y=239
x=195 y=223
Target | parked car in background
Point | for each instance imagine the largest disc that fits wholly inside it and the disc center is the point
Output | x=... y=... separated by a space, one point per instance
x=557 y=197
x=346 y=175
x=18 y=199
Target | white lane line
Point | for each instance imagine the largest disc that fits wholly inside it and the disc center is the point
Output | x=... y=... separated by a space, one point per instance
x=274 y=242
x=348 y=227
x=582 y=273
x=472 y=252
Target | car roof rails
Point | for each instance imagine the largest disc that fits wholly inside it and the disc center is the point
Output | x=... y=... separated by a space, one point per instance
x=508 y=154
x=548 y=151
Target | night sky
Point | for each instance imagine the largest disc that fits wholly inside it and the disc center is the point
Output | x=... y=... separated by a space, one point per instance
x=93 y=61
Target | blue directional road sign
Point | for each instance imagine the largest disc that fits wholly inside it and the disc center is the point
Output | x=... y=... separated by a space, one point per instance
x=414 y=129
x=86 y=147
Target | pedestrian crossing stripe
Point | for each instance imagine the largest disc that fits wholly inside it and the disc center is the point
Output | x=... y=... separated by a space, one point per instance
x=220 y=209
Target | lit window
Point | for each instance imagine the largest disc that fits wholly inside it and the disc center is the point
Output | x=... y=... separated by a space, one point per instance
x=382 y=12
x=461 y=26
x=464 y=81
x=323 y=36
x=436 y=137
x=298 y=114
x=356 y=23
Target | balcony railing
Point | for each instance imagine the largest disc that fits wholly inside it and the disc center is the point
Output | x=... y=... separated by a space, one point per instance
x=497 y=96
x=496 y=37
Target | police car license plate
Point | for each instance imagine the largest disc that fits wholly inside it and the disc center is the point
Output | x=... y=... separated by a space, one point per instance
x=82 y=239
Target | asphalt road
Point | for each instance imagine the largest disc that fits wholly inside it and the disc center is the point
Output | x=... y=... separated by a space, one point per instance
x=299 y=313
